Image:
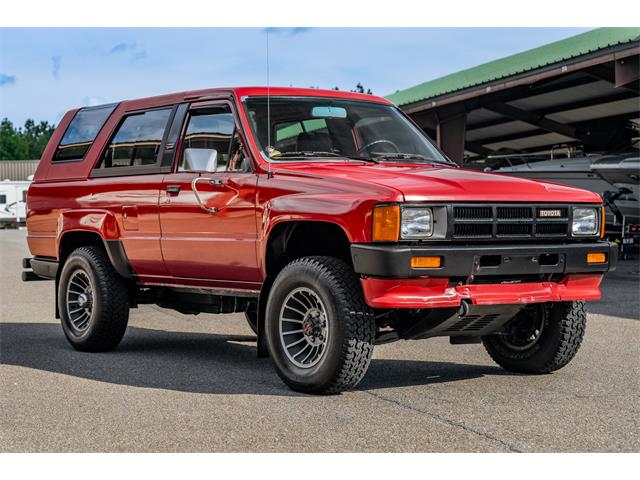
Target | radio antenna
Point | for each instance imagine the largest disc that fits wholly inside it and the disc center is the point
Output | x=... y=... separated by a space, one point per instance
x=269 y=149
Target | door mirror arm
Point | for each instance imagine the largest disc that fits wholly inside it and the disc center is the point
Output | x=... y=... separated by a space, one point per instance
x=194 y=187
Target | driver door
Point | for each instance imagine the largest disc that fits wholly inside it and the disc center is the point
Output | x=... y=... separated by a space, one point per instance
x=207 y=207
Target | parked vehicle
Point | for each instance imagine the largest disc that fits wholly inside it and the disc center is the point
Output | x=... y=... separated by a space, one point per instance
x=613 y=176
x=13 y=194
x=328 y=218
x=7 y=220
x=574 y=171
x=622 y=170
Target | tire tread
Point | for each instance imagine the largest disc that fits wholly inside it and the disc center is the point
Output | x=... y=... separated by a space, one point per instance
x=111 y=325
x=569 y=324
x=357 y=349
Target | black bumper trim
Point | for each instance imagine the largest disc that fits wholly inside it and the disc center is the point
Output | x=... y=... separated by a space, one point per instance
x=44 y=268
x=394 y=261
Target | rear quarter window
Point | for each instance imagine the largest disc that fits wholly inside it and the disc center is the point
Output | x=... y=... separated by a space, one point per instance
x=137 y=141
x=81 y=133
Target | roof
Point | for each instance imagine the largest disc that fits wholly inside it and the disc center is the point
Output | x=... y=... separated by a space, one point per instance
x=562 y=50
x=17 y=169
x=206 y=94
x=307 y=92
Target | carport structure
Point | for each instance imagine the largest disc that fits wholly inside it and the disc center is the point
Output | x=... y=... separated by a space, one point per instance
x=580 y=91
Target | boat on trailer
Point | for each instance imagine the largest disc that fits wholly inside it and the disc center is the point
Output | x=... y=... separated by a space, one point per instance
x=615 y=176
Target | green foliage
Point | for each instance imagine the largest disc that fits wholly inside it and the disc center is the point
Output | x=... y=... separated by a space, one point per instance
x=24 y=143
x=359 y=89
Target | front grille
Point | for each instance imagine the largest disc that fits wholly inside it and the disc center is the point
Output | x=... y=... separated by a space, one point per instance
x=555 y=229
x=473 y=213
x=508 y=229
x=473 y=230
x=514 y=213
x=516 y=222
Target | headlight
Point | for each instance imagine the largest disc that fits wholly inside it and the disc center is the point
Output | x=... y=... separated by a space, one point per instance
x=416 y=223
x=585 y=221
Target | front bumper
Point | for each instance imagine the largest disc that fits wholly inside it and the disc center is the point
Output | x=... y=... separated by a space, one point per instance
x=481 y=260
x=484 y=274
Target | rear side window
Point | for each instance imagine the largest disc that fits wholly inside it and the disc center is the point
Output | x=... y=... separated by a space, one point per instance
x=137 y=141
x=81 y=133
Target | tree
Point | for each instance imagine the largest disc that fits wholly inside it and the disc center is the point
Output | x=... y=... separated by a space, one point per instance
x=359 y=89
x=12 y=145
x=37 y=136
x=24 y=143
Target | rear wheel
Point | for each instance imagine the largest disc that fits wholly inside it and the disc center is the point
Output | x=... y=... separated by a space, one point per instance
x=93 y=301
x=320 y=331
x=539 y=339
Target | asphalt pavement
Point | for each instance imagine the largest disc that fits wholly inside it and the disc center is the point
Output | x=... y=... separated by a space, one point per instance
x=193 y=383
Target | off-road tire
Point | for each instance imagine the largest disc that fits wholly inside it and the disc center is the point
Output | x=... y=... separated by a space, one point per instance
x=110 y=310
x=564 y=328
x=351 y=322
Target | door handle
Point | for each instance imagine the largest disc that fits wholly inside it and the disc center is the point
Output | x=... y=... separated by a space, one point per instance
x=173 y=188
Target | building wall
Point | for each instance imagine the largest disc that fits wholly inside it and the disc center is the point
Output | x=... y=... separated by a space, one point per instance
x=17 y=169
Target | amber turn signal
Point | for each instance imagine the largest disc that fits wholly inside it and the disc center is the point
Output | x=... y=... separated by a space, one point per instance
x=602 y=223
x=596 y=257
x=426 y=262
x=386 y=223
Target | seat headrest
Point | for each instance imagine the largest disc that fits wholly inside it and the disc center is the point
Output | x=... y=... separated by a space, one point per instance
x=314 y=142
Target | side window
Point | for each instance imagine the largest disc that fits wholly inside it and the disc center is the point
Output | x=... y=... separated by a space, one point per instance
x=81 y=133
x=210 y=143
x=238 y=161
x=3 y=199
x=137 y=140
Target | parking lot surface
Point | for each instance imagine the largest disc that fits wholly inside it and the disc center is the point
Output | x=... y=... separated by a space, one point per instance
x=193 y=383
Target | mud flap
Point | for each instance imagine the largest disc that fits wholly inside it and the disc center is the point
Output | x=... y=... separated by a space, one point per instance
x=262 y=350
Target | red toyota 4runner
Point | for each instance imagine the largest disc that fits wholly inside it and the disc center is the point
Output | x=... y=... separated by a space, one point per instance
x=329 y=218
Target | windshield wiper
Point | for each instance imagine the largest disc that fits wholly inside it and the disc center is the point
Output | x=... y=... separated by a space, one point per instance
x=410 y=156
x=312 y=154
x=304 y=153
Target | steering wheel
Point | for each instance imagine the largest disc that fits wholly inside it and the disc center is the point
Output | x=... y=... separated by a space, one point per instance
x=376 y=142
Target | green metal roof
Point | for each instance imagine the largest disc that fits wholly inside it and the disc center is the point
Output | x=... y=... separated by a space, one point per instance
x=555 y=52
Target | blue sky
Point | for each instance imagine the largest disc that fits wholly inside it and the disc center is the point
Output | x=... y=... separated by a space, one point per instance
x=46 y=71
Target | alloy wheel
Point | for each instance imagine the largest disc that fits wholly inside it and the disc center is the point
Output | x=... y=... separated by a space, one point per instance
x=304 y=327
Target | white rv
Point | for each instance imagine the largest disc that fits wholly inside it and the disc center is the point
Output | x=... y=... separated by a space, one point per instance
x=13 y=202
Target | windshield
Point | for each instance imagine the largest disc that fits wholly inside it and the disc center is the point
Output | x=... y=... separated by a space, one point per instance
x=308 y=128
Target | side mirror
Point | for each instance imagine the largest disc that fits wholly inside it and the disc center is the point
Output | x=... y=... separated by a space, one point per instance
x=200 y=159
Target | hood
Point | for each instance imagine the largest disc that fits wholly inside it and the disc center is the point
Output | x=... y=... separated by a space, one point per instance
x=429 y=183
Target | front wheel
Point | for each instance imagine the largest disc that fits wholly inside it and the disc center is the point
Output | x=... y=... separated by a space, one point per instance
x=320 y=331
x=541 y=338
